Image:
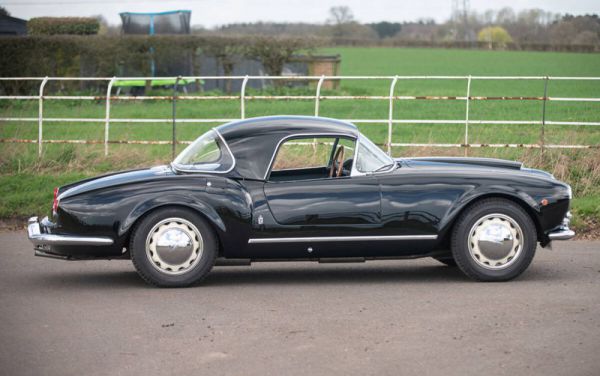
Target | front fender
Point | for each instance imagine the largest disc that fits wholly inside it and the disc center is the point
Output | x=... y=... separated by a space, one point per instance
x=470 y=197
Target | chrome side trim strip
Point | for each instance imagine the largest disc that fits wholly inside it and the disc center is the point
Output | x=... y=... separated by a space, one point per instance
x=38 y=238
x=340 y=239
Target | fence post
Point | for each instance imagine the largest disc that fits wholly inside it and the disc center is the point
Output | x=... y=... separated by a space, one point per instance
x=243 y=98
x=107 y=117
x=468 y=100
x=391 y=115
x=174 y=143
x=41 y=115
x=543 y=130
x=318 y=94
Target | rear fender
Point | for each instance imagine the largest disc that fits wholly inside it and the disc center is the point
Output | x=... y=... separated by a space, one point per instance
x=171 y=200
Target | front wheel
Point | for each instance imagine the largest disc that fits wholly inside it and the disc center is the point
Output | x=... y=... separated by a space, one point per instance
x=494 y=240
x=173 y=247
x=446 y=260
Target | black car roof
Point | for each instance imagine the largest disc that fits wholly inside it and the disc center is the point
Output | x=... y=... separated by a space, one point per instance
x=253 y=141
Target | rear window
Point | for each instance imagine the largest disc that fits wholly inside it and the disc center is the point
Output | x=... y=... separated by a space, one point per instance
x=208 y=153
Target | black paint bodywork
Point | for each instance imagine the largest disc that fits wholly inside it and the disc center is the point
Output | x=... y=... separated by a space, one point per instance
x=423 y=196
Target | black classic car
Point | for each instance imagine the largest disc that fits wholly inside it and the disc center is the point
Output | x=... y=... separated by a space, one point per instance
x=305 y=188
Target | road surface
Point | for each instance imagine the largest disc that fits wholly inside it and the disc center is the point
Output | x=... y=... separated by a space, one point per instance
x=414 y=317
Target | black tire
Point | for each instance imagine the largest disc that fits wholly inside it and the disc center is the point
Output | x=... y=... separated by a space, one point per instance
x=153 y=275
x=447 y=260
x=460 y=239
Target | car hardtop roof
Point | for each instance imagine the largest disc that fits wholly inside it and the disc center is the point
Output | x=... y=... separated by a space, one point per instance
x=286 y=125
x=254 y=142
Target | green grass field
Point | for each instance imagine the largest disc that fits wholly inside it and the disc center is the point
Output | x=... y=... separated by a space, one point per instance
x=22 y=172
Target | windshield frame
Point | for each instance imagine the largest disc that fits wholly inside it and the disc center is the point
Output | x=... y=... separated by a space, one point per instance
x=361 y=141
x=183 y=168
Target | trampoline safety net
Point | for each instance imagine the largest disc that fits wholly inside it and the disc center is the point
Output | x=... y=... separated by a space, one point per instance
x=173 y=22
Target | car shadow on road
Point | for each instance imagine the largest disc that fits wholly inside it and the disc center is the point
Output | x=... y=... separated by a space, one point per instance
x=319 y=274
x=290 y=275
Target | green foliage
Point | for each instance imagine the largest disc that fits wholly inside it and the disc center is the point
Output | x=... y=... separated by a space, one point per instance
x=63 y=25
x=106 y=56
x=274 y=52
x=495 y=36
x=386 y=29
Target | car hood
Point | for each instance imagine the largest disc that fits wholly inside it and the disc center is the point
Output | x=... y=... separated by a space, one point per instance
x=484 y=164
x=117 y=178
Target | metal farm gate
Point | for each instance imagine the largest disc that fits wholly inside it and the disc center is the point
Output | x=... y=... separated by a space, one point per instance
x=388 y=119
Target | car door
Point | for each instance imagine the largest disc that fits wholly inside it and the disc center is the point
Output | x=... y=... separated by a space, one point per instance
x=304 y=202
x=329 y=206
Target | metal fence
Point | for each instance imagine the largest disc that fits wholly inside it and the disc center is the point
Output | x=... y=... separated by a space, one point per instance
x=389 y=120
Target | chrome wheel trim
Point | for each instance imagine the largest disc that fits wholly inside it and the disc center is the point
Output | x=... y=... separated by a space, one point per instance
x=174 y=246
x=495 y=241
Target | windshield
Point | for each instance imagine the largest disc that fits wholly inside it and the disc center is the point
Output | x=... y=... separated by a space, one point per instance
x=370 y=158
x=208 y=153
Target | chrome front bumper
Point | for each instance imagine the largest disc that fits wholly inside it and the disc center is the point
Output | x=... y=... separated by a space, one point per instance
x=42 y=239
x=563 y=232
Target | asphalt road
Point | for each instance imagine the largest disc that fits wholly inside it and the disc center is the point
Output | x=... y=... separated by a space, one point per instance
x=413 y=317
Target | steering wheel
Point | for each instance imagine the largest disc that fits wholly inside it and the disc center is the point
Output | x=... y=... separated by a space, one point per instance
x=339 y=159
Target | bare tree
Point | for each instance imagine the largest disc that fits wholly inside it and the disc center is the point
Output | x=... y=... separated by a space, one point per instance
x=340 y=15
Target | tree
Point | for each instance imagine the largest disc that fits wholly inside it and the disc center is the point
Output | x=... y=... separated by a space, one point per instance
x=586 y=38
x=342 y=21
x=4 y=12
x=495 y=36
x=340 y=15
x=274 y=52
x=386 y=29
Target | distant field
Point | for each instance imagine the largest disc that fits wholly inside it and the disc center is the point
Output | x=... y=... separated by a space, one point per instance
x=355 y=61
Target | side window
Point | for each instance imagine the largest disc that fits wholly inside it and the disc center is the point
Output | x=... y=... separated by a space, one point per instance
x=303 y=153
x=311 y=158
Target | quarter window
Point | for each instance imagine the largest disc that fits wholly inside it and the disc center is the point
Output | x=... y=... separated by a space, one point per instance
x=370 y=158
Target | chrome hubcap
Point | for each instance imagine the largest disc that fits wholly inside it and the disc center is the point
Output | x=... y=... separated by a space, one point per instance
x=495 y=241
x=174 y=246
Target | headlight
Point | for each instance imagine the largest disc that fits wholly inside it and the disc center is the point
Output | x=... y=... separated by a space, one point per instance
x=569 y=192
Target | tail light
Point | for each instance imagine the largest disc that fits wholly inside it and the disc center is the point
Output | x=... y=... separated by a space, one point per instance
x=55 y=201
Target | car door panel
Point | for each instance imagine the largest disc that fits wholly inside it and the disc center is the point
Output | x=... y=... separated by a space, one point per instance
x=325 y=203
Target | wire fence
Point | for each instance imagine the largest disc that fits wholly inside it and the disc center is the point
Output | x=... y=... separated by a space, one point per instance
x=389 y=120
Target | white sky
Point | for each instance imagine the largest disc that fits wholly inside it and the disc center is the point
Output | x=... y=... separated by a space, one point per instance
x=217 y=12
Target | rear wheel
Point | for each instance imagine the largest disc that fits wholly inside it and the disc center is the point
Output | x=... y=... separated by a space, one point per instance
x=494 y=240
x=173 y=247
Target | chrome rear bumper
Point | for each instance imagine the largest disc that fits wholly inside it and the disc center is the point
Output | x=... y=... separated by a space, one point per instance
x=563 y=232
x=41 y=239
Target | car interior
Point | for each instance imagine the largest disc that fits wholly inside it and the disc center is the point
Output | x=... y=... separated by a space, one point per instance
x=314 y=158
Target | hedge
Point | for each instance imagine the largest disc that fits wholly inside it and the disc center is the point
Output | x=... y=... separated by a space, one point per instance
x=107 y=56
x=63 y=25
